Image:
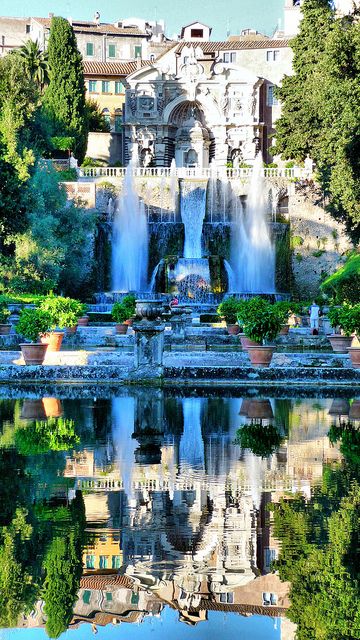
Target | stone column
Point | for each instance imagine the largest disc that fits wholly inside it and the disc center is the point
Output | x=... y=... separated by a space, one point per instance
x=180 y=319
x=148 y=349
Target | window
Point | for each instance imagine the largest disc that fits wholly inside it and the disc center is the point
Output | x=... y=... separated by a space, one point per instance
x=269 y=599
x=270 y=556
x=108 y=596
x=118 y=119
x=227 y=598
x=27 y=28
x=197 y=33
x=112 y=51
x=115 y=562
x=90 y=562
x=92 y=86
x=86 y=597
x=103 y=562
x=138 y=51
x=272 y=56
x=106 y=114
x=152 y=57
x=89 y=49
x=226 y=57
x=233 y=56
x=119 y=87
x=105 y=86
x=103 y=537
x=271 y=100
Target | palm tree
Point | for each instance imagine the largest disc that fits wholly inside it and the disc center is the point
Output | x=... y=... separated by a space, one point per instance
x=35 y=62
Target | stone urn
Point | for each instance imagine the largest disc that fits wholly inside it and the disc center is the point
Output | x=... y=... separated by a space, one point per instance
x=354 y=353
x=53 y=339
x=339 y=343
x=5 y=329
x=33 y=352
x=149 y=310
x=246 y=342
x=260 y=356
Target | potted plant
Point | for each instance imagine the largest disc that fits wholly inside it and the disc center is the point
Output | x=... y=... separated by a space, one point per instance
x=129 y=302
x=340 y=320
x=228 y=310
x=353 y=324
x=246 y=309
x=285 y=309
x=262 y=325
x=64 y=314
x=83 y=321
x=5 y=314
x=32 y=324
x=120 y=313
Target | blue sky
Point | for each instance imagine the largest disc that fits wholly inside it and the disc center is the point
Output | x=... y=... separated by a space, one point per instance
x=220 y=14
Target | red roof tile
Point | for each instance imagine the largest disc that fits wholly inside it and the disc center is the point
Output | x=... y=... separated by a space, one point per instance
x=112 y=68
x=91 y=27
x=213 y=47
x=99 y=581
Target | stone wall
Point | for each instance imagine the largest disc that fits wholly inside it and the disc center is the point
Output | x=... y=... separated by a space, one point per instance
x=319 y=242
x=105 y=146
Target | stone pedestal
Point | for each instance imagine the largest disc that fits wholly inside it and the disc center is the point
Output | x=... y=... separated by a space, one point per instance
x=149 y=348
x=180 y=319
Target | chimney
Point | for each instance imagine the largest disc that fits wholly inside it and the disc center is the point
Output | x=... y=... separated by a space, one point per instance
x=97 y=17
x=51 y=15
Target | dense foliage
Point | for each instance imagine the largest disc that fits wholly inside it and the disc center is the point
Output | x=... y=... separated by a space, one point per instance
x=321 y=105
x=344 y=284
x=262 y=440
x=63 y=312
x=123 y=310
x=33 y=323
x=65 y=95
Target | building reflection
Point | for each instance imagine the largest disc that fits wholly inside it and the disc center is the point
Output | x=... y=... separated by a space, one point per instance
x=177 y=513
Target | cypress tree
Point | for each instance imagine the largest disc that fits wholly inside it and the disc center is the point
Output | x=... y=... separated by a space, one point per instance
x=65 y=95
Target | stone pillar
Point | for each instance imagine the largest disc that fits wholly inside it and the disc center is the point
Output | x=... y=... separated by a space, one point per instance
x=149 y=349
x=180 y=319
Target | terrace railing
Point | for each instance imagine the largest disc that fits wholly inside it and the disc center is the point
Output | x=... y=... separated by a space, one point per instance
x=194 y=173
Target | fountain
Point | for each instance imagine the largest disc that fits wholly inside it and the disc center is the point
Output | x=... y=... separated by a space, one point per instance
x=252 y=250
x=192 y=208
x=191 y=444
x=130 y=238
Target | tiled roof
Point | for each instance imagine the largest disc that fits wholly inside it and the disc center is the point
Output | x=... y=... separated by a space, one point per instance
x=212 y=47
x=99 y=581
x=242 y=609
x=91 y=27
x=112 y=68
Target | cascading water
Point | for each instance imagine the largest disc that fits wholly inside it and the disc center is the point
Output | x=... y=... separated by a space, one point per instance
x=130 y=238
x=252 y=250
x=123 y=420
x=173 y=186
x=192 y=206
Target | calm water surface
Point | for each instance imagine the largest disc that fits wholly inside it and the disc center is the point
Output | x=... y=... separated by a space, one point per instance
x=149 y=514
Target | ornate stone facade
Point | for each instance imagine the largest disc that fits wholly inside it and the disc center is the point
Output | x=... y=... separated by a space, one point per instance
x=195 y=109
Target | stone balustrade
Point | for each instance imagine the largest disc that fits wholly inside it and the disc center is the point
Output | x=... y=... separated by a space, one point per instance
x=195 y=173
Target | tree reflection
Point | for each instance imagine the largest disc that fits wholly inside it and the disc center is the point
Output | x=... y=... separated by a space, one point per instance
x=320 y=544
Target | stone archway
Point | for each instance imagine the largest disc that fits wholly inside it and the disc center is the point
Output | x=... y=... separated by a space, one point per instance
x=191 y=135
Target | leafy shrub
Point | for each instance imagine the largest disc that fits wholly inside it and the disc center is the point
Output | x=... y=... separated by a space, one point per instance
x=120 y=312
x=91 y=162
x=54 y=434
x=262 y=323
x=228 y=309
x=247 y=308
x=63 y=312
x=285 y=308
x=4 y=313
x=129 y=302
x=344 y=284
x=33 y=323
x=63 y=143
x=262 y=440
x=347 y=318
x=67 y=175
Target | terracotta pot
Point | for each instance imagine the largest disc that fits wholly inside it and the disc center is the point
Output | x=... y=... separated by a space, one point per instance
x=53 y=407
x=71 y=330
x=53 y=340
x=354 y=413
x=284 y=330
x=83 y=322
x=34 y=353
x=246 y=342
x=121 y=329
x=33 y=410
x=233 y=329
x=5 y=329
x=244 y=407
x=260 y=409
x=354 y=353
x=339 y=343
x=260 y=356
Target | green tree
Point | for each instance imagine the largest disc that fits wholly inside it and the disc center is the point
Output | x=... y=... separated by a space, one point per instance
x=321 y=106
x=96 y=119
x=65 y=95
x=35 y=62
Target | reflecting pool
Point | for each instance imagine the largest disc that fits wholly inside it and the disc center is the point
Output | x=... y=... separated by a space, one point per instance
x=201 y=514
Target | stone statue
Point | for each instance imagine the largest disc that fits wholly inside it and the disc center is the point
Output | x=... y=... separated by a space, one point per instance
x=224 y=104
x=146 y=103
x=236 y=158
x=160 y=105
x=146 y=157
x=132 y=103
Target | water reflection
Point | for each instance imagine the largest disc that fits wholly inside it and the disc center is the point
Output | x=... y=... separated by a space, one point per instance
x=119 y=508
